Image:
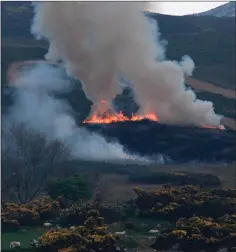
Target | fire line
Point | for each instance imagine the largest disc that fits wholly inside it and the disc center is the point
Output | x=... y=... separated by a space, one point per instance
x=120 y=117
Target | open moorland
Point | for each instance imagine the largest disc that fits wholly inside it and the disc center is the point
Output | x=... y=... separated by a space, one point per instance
x=180 y=197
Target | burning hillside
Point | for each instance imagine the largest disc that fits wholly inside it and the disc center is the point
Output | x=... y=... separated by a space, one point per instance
x=113 y=117
x=179 y=144
x=108 y=118
x=100 y=42
x=119 y=117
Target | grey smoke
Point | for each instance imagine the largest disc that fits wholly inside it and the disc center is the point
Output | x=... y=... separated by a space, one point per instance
x=98 y=41
x=37 y=107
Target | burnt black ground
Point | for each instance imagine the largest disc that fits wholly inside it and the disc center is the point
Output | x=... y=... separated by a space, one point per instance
x=179 y=143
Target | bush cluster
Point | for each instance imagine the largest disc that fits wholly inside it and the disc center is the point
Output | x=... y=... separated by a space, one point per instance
x=205 y=218
x=56 y=211
x=77 y=213
x=46 y=207
x=16 y=215
x=187 y=201
x=92 y=236
x=200 y=233
x=73 y=188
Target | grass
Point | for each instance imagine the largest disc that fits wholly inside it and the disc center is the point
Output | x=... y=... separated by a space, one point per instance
x=24 y=236
x=225 y=171
x=138 y=237
x=135 y=237
x=141 y=226
x=117 y=188
x=210 y=87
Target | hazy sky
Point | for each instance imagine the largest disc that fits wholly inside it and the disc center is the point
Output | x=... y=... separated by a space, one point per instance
x=182 y=8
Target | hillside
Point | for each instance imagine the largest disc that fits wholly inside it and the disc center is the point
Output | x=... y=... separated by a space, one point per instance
x=16 y=19
x=210 y=41
x=225 y=10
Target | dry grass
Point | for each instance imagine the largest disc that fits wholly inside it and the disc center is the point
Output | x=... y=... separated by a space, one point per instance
x=208 y=87
x=117 y=189
x=211 y=88
x=227 y=172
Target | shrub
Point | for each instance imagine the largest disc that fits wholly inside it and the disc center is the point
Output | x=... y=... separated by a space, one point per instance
x=46 y=207
x=21 y=213
x=77 y=214
x=38 y=210
x=92 y=236
x=209 y=221
x=198 y=233
x=72 y=188
x=170 y=202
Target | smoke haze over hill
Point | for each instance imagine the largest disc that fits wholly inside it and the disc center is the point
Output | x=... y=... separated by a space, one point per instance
x=99 y=41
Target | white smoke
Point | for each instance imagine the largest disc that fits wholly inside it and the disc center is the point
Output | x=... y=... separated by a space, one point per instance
x=98 y=41
x=37 y=107
x=187 y=65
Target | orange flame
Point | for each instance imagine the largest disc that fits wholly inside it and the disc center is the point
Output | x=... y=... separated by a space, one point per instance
x=111 y=117
x=120 y=117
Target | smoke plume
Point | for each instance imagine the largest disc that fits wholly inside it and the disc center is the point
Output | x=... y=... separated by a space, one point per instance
x=36 y=106
x=98 y=41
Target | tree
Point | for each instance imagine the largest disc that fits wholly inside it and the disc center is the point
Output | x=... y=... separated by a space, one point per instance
x=28 y=160
x=72 y=188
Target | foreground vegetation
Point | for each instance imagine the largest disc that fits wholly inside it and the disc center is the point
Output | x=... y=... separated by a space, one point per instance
x=204 y=219
x=200 y=218
x=92 y=236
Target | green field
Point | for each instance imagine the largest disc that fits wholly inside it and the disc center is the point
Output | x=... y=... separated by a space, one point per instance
x=138 y=232
x=24 y=236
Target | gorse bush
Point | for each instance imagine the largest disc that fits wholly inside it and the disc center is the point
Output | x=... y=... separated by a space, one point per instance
x=173 y=203
x=30 y=214
x=204 y=219
x=92 y=236
x=200 y=233
x=21 y=213
x=72 y=188
x=77 y=213
x=44 y=209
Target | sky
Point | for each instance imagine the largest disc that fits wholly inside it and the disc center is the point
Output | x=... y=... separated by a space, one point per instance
x=182 y=8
